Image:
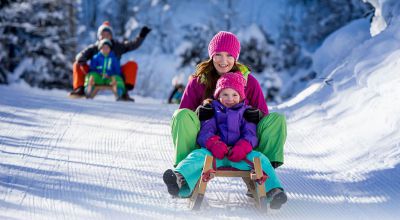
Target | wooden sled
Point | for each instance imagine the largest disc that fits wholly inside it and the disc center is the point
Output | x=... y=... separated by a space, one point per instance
x=251 y=178
x=99 y=88
x=76 y=96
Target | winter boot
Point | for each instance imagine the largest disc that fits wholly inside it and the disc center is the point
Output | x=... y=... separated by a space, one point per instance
x=78 y=92
x=275 y=164
x=174 y=181
x=125 y=97
x=278 y=198
x=249 y=194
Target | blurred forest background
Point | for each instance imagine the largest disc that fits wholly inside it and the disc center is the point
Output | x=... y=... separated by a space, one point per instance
x=39 y=39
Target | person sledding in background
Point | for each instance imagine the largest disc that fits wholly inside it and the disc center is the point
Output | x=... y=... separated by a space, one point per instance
x=176 y=94
x=224 y=50
x=129 y=70
x=105 y=70
x=230 y=139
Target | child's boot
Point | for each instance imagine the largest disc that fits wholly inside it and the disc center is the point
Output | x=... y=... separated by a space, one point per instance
x=120 y=93
x=278 y=198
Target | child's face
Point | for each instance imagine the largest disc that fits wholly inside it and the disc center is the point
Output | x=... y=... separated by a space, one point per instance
x=105 y=49
x=223 y=62
x=229 y=97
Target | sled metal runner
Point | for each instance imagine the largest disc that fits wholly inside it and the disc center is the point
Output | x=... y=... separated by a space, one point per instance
x=249 y=177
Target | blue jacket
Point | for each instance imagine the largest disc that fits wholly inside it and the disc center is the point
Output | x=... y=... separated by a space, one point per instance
x=229 y=124
x=108 y=65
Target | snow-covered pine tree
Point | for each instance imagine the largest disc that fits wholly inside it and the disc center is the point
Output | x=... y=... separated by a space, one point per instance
x=38 y=37
x=196 y=40
x=324 y=17
x=257 y=48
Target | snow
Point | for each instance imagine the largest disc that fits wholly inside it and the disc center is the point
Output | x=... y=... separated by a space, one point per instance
x=100 y=159
x=386 y=13
x=339 y=44
x=131 y=25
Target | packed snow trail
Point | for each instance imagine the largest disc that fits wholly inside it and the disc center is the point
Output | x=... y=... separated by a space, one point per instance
x=101 y=159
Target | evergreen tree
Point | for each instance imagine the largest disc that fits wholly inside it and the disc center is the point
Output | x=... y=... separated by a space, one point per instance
x=197 y=47
x=324 y=17
x=38 y=37
x=257 y=53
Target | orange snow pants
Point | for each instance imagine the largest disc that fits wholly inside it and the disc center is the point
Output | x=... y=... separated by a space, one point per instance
x=129 y=71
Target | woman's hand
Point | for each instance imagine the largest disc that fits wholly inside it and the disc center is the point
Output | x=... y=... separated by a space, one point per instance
x=253 y=115
x=205 y=112
x=144 y=31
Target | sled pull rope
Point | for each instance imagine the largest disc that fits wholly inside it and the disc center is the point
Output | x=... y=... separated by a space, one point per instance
x=260 y=180
x=208 y=175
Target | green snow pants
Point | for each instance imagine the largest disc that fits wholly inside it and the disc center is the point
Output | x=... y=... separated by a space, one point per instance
x=271 y=132
x=192 y=166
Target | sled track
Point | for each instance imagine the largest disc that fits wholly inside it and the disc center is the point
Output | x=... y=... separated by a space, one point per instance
x=100 y=159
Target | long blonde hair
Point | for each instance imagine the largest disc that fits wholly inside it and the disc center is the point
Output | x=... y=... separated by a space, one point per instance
x=209 y=76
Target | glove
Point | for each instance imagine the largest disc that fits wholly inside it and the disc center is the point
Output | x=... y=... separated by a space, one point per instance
x=253 y=115
x=144 y=31
x=217 y=147
x=205 y=112
x=240 y=150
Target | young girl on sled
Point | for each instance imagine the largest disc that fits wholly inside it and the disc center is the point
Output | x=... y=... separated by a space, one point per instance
x=229 y=138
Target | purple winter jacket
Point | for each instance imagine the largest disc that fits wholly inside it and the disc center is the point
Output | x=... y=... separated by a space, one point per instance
x=194 y=91
x=229 y=124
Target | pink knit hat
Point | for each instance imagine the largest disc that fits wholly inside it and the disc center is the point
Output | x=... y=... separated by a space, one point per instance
x=224 y=42
x=231 y=80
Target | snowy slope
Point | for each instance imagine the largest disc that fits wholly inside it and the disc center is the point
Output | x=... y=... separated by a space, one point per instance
x=100 y=159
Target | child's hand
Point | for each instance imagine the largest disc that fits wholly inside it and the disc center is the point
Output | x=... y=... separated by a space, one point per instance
x=105 y=76
x=240 y=150
x=217 y=147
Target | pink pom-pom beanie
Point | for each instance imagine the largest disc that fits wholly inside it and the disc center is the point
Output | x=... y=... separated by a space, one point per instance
x=231 y=80
x=224 y=41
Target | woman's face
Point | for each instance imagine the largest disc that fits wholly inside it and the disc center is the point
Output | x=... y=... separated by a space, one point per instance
x=105 y=35
x=223 y=62
x=229 y=97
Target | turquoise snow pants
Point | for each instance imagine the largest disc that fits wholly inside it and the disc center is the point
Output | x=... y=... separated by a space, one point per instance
x=271 y=132
x=192 y=166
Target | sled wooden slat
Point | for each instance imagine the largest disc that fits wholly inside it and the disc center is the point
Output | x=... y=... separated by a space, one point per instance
x=260 y=189
x=199 y=191
x=99 y=88
x=249 y=177
x=232 y=173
